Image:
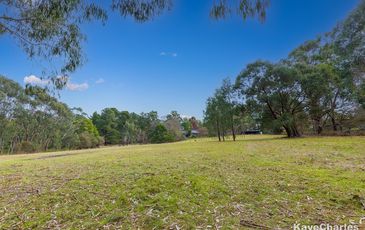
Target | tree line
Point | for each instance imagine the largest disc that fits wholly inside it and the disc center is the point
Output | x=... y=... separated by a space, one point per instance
x=32 y=120
x=319 y=87
x=123 y=127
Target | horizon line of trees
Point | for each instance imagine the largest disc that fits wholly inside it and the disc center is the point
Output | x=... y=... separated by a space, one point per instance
x=32 y=120
x=123 y=127
x=319 y=87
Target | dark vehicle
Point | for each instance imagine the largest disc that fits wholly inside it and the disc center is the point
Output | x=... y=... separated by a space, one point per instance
x=252 y=132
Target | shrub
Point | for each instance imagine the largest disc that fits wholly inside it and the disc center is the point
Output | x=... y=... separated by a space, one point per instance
x=161 y=135
x=101 y=141
x=86 y=140
x=26 y=147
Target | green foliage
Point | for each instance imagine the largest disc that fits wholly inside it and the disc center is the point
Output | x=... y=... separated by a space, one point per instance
x=123 y=127
x=222 y=111
x=173 y=124
x=88 y=140
x=160 y=134
x=141 y=11
x=276 y=87
x=320 y=86
x=25 y=147
x=52 y=29
x=348 y=40
x=244 y=8
x=186 y=125
x=107 y=125
x=32 y=120
x=87 y=132
x=86 y=125
x=361 y=94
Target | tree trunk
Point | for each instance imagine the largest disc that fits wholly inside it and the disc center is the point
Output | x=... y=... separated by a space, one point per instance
x=233 y=133
x=320 y=129
x=1 y=146
x=291 y=131
x=46 y=147
x=332 y=111
x=287 y=130
x=296 y=132
x=11 y=147
x=317 y=126
x=218 y=131
x=334 y=125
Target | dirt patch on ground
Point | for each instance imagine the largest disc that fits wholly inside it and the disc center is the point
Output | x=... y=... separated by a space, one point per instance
x=54 y=156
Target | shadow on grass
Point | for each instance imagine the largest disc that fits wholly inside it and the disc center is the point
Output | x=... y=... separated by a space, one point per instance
x=54 y=156
x=244 y=139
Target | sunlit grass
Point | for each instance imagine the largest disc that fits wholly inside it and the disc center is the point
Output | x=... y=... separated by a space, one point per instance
x=266 y=180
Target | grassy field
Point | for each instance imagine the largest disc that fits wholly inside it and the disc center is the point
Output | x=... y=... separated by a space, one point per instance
x=197 y=184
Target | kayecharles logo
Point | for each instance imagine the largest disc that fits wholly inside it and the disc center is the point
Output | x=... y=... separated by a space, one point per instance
x=324 y=226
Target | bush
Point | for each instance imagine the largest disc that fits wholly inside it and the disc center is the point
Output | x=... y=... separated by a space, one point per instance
x=86 y=140
x=161 y=135
x=101 y=141
x=26 y=147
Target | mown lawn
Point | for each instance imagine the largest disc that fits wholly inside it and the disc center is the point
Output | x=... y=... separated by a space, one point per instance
x=197 y=184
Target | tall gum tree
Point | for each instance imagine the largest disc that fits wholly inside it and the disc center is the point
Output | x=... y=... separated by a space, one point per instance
x=277 y=87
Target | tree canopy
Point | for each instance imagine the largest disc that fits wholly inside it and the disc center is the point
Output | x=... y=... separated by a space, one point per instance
x=319 y=86
x=50 y=29
x=33 y=120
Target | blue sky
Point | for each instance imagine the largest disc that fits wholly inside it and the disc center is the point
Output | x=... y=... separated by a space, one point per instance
x=175 y=61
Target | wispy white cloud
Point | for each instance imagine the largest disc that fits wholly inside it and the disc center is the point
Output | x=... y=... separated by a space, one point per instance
x=77 y=87
x=34 y=80
x=169 y=54
x=99 y=81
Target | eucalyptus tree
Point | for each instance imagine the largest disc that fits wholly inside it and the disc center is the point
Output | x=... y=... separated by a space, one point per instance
x=123 y=127
x=11 y=97
x=173 y=124
x=347 y=49
x=146 y=122
x=187 y=126
x=33 y=120
x=278 y=88
x=108 y=125
x=331 y=86
x=348 y=39
x=87 y=132
x=51 y=29
x=133 y=128
x=221 y=110
x=212 y=117
x=228 y=104
x=160 y=134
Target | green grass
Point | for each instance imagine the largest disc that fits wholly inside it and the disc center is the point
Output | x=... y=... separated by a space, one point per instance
x=196 y=184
